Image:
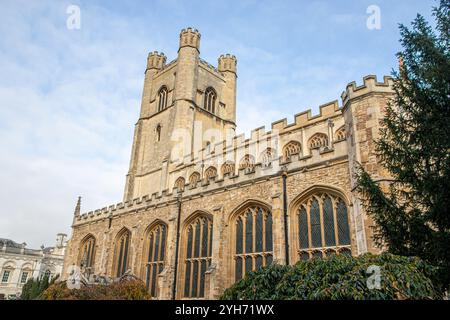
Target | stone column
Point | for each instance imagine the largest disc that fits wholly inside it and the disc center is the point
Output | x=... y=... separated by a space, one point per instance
x=214 y=279
x=278 y=223
x=166 y=277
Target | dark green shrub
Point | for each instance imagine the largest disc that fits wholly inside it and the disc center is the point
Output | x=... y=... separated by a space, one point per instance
x=33 y=288
x=340 y=277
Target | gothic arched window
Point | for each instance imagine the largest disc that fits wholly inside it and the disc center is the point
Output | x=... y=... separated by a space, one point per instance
x=194 y=179
x=210 y=100
x=253 y=245
x=267 y=157
x=290 y=149
x=210 y=173
x=162 y=98
x=87 y=255
x=340 y=134
x=323 y=226
x=318 y=140
x=179 y=184
x=121 y=252
x=228 y=168
x=198 y=243
x=156 y=245
x=247 y=162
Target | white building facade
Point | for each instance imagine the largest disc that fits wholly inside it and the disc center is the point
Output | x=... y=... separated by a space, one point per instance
x=18 y=264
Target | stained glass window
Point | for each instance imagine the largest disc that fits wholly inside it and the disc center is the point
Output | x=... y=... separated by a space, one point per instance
x=248 y=263
x=205 y=238
x=238 y=268
x=259 y=231
x=317 y=254
x=303 y=228
x=199 y=241
x=239 y=236
x=189 y=243
x=269 y=243
x=122 y=252
x=249 y=232
x=87 y=253
x=187 y=279
x=253 y=240
x=316 y=233
x=258 y=262
x=304 y=255
x=342 y=222
x=328 y=222
x=155 y=259
x=323 y=214
x=269 y=259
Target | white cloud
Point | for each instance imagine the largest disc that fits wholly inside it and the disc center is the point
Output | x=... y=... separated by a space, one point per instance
x=68 y=103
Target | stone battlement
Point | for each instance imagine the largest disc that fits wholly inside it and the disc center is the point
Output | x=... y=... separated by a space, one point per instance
x=370 y=84
x=278 y=128
x=259 y=172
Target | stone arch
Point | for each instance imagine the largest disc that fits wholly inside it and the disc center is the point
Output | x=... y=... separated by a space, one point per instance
x=194 y=179
x=252 y=217
x=320 y=220
x=318 y=140
x=291 y=148
x=154 y=254
x=9 y=264
x=122 y=249
x=209 y=101
x=247 y=162
x=163 y=94
x=210 y=173
x=267 y=156
x=228 y=168
x=179 y=184
x=340 y=134
x=87 y=251
x=195 y=255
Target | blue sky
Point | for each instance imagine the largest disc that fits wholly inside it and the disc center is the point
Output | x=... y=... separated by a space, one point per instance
x=69 y=98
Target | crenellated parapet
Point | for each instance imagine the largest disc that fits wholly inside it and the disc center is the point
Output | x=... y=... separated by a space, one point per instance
x=305 y=118
x=190 y=37
x=370 y=84
x=156 y=60
x=227 y=63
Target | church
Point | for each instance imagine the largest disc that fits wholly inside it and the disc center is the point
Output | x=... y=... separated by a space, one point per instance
x=203 y=206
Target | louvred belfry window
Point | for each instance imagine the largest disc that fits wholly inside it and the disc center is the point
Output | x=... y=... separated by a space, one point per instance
x=210 y=100
x=162 y=98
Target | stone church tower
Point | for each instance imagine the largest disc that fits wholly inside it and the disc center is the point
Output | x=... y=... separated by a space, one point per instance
x=174 y=107
x=202 y=206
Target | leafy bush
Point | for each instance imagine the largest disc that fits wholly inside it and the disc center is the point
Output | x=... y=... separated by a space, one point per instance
x=339 y=277
x=122 y=290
